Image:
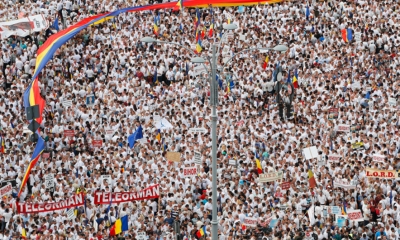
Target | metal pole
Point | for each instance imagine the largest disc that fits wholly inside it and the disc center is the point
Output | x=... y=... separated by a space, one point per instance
x=214 y=103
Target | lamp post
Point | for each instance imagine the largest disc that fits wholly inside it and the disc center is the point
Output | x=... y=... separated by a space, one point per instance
x=214 y=104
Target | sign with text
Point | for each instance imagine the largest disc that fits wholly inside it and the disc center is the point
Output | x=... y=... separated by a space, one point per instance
x=334 y=157
x=342 y=183
x=333 y=113
x=49 y=181
x=392 y=101
x=270 y=177
x=97 y=143
x=384 y=174
x=6 y=190
x=378 y=158
x=45 y=155
x=190 y=171
x=71 y=214
x=67 y=103
x=355 y=215
x=249 y=221
x=343 y=128
x=197 y=158
x=69 y=133
x=119 y=197
x=285 y=185
x=355 y=128
x=72 y=202
x=90 y=100
x=197 y=130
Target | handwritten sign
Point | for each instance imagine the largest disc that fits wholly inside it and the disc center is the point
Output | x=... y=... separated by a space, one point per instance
x=197 y=158
x=355 y=215
x=378 y=158
x=343 y=128
x=334 y=157
x=249 y=221
x=392 y=101
x=6 y=190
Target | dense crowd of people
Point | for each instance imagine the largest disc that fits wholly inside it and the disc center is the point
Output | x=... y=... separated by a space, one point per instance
x=337 y=78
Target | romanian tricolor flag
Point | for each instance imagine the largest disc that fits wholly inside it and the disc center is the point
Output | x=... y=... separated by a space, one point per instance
x=197 y=35
x=311 y=179
x=203 y=33
x=201 y=232
x=210 y=33
x=344 y=208
x=198 y=46
x=32 y=97
x=158 y=136
x=197 y=22
x=155 y=26
x=119 y=226
x=34 y=159
x=295 y=77
x=258 y=163
x=2 y=145
x=266 y=62
x=344 y=35
x=23 y=231
x=180 y=4
x=229 y=21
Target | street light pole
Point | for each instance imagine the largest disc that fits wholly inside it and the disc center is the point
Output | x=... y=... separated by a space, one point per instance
x=214 y=103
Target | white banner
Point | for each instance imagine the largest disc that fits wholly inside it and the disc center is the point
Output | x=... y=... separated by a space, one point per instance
x=23 y=27
x=343 y=128
x=6 y=190
x=270 y=177
x=355 y=215
x=249 y=221
x=378 y=158
x=190 y=171
x=340 y=183
x=334 y=158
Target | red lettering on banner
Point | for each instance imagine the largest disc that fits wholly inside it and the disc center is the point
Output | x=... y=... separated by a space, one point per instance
x=148 y=193
x=375 y=174
x=382 y=174
x=390 y=174
x=74 y=201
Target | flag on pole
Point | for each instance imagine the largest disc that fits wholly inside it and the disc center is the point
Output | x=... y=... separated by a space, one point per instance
x=138 y=134
x=55 y=25
x=344 y=35
x=155 y=79
x=158 y=136
x=198 y=46
x=295 y=78
x=349 y=34
x=344 y=208
x=258 y=163
x=311 y=179
x=266 y=62
x=2 y=145
x=155 y=26
x=307 y=12
x=289 y=79
x=119 y=226
x=210 y=33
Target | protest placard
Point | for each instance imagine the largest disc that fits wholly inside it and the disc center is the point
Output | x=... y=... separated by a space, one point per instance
x=69 y=133
x=343 y=128
x=334 y=157
x=355 y=215
x=190 y=171
x=250 y=222
x=270 y=177
x=378 y=158
x=173 y=156
x=6 y=190
x=197 y=158
x=333 y=113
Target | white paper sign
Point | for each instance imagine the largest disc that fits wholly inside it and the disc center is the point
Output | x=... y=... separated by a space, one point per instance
x=49 y=181
x=6 y=190
x=249 y=221
x=311 y=215
x=141 y=236
x=355 y=215
x=199 y=69
x=343 y=128
x=67 y=103
x=392 y=101
x=106 y=177
x=190 y=172
x=71 y=214
x=197 y=130
x=197 y=158
x=334 y=157
x=341 y=183
x=378 y=158
x=311 y=152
